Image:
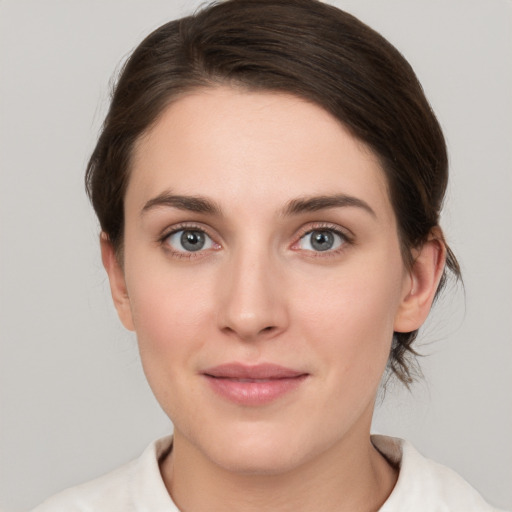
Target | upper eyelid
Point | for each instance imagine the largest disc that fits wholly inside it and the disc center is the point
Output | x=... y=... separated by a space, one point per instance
x=177 y=253
x=184 y=226
x=299 y=233
x=327 y=226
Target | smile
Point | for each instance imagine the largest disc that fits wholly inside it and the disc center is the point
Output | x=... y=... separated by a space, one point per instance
x=253 y=385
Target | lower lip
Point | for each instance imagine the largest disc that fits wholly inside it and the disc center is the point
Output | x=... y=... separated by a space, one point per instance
x=254 y=392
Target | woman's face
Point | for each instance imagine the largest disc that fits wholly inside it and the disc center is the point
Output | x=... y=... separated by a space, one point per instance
x=263 y=277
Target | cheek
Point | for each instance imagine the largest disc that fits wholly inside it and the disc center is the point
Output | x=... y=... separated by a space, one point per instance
x=351 y=317
x=173 y=321
x=171 y=312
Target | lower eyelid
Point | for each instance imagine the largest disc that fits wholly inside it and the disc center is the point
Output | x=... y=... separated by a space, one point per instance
x=344 y=239
x=339 y=241
x=164 y=240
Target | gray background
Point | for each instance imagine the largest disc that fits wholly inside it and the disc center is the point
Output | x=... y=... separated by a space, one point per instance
x=74 y=402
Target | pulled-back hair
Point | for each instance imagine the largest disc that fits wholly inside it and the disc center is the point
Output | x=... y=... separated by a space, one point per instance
x=300 y=47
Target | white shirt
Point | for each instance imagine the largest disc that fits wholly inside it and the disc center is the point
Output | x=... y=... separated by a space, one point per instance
x=422 y=486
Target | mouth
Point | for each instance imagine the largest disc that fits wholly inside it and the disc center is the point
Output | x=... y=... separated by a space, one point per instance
x=253 y=385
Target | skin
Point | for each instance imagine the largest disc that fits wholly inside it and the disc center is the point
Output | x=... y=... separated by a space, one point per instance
x=260 y=292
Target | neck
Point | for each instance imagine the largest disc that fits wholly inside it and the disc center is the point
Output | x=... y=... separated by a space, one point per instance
x=352 y=475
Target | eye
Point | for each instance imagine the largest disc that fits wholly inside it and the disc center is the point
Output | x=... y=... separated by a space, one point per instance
x=189 y=240
x=321 y=240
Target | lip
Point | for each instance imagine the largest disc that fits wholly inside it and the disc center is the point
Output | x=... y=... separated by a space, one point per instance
x=253 y=385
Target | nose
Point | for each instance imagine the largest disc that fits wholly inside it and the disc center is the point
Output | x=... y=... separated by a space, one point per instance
x=252 y=303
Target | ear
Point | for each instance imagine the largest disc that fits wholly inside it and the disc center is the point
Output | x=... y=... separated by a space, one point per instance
x=117 y=282
x=420 y=288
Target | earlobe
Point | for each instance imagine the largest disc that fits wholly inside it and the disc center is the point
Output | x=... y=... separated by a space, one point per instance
x=117 y=282
x=424 y=277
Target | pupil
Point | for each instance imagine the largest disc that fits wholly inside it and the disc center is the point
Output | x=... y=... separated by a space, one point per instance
x=192 y=240
x=322 y=240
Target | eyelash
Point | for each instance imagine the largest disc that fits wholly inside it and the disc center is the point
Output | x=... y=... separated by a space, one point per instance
x=188 y=255
x=346 y=240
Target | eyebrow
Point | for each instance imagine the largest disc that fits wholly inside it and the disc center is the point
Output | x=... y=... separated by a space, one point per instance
x=316 y=203
x=195 y=204
x=199 y=204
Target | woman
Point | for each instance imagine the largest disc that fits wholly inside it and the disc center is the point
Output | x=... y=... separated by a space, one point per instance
x=268 y=182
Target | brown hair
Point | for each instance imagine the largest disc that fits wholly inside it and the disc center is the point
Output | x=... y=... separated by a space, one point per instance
x=301 y=47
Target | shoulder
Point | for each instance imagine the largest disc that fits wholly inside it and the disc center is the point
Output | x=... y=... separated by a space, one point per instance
x=424 y=485
x=111 y=491
x=122 y=490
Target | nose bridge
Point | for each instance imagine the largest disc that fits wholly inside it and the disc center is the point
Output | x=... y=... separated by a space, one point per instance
x=252 y=299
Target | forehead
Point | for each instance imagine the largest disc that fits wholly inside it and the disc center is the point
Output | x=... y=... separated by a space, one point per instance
x=228 y=143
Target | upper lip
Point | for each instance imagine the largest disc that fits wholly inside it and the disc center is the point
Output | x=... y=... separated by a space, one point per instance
x=259 y=371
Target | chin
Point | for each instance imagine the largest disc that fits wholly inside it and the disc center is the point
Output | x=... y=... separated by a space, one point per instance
x=256 y=450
